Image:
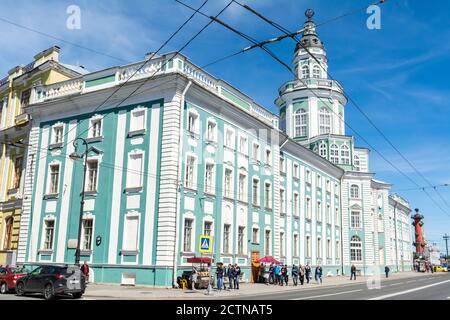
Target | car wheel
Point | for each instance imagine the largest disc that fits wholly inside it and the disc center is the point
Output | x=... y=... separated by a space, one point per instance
x=4 y=288
x=20 y=289
x=49 y=292
x=77 y=295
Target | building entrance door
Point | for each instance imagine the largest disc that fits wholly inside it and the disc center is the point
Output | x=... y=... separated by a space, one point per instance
x=255 y=266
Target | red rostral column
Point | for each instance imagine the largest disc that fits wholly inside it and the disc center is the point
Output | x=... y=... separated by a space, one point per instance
x=419 y=237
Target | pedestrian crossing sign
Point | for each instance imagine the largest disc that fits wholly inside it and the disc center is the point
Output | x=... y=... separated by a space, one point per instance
x=205 y=244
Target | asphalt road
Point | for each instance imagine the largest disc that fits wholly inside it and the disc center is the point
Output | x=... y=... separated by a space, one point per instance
x=433 y=287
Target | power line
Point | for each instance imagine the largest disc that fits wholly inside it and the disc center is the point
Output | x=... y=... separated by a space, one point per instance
x=425 y=187
x=287 y=32
x=312 y=91
x=61 y=40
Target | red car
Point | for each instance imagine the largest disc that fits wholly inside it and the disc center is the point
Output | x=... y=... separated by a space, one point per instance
x=9 y=277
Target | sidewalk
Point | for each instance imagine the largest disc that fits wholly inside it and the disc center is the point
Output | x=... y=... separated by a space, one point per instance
x=113 y=292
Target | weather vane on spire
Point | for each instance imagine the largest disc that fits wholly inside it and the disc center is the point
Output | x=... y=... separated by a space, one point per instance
x=309 y=13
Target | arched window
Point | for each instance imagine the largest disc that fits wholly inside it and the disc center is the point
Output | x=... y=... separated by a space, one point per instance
x=354 y=191
x=357 y=163
x=305 y=72
x=301 y=123
x=8 y=233
x=323 y=150
x=324 y=121
x=316 y=72
x=345 y=154
x=334 y=154
x=355 y=249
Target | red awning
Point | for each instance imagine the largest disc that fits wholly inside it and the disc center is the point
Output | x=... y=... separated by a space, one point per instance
x=200 y=260
x=269 y=259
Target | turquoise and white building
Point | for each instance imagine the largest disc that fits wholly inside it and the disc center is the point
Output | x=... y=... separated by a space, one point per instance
x=188 y=154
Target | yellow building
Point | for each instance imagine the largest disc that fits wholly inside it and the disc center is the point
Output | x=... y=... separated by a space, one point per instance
x=16 y=91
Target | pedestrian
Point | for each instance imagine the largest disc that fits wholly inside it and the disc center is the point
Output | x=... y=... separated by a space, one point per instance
x=271 y=274
x=230 y=274
x=318 y=274
x=353 y=272
x=194 y=276
x=219 y=274
x=278 y=275
x=302 y=274
x=295 y=274
x=286 y=274
x=236 y=274
x=432 y=268
x=308 y=272
x=386 y=270
x=85 y=270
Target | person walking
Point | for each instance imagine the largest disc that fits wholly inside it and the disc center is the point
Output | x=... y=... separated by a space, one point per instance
x=295 y=274
x=271 y=274
x=302 y=274
x=85 y=270
x=194 y=276
x=318 y=274
x=308 y=272
x=278 y=275
x=219 y=274
x=386 y=270
x=230 y=274
x=283 y=275
x=236 y=274
x=353 y=272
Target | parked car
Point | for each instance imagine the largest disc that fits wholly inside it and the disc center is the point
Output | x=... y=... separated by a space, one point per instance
x=440 y=269
x=9 y=277
x=53 y=280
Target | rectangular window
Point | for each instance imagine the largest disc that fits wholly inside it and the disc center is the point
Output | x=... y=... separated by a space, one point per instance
x=2 y=103
x=190 y=172
x=328 y=186
x=86 y=234
x=18 y=163
x=267 y=242
x=135 y=169
x=296 y=245
x=268 y=195
x=131 y=232
x=319 y=211
x=211 y=133
x=92 y=172
x=54 y=179
x=49 y=234
x=243 y=145
x=319 y=248
x=137 y=120
x=226 y=238
x=207 y=229
x=328 y=214
x=308 y=176
x=255 y=235
x=319 y=181
x=242 y=183
x=338 y=250
x=268 y=157
x=187 y=240
x=296 y=204
x=25 y=98
x=58 y=134
x=296 y=175
x=255 y=192
x=282 y=244
x=241 y=240
x=229 y=138
x=209 y=178
x=192 y=122
x=282 y=202
x=255 y=153
x=329 y=249
x=355 y=219
x=282 y=169
x=308 y=208
x=228 y=183
x=308 y=247
x=96 y=130
x=336 y=216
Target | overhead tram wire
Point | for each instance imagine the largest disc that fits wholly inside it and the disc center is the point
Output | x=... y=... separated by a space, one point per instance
x=424 y=187
x=312 y=91
x=290 y=34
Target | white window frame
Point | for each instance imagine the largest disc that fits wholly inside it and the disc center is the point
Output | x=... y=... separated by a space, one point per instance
x=92 y=159
x=56 y=126
x=209 y=187
x=301 y=123
x=131 y=215
x=323 y=150
x=242 y=194
x=296 y=203
x=211 y=135
x=324 y=121
x=268 y=157
x=229 y=132
x=355 y=219
x=345 y=154
x=354 y=191
x=133 y=126
x=228 y=190
x=191 y=184
x=334 y=153
x=92 y=121
x=267 y=200
x=44 y=234
x=296 y=171
x=132 y=154
x=91 y=217
x=256 y=152
x=243 y=147
x=355 y=247
x=257 y=203
x=49 y=175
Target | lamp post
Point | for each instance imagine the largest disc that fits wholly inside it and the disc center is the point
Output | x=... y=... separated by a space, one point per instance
x=446 y=237
x=77 y=156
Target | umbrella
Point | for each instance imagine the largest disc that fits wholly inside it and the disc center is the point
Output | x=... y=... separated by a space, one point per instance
x=269 y=259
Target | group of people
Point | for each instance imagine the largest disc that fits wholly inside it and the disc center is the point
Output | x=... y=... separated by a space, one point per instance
x=279 y=275
x=232 y=272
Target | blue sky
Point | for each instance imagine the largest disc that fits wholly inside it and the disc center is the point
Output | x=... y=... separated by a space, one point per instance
x=397 y=75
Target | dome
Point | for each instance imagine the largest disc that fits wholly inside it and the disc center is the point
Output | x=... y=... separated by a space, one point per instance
x=309 y=37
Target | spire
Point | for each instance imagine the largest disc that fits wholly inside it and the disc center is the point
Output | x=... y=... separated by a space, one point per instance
x=309 y=37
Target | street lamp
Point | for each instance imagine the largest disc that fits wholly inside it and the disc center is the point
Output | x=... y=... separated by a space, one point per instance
x=77 y=156
x=446 y=237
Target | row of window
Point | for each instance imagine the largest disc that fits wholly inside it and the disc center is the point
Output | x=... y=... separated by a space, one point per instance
x=241 y=239
x=301 y=122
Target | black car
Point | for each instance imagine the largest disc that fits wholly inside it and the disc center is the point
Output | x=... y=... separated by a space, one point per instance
x=53 y=280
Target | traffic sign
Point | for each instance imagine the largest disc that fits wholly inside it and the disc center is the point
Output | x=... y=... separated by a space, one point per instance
x=205 y=244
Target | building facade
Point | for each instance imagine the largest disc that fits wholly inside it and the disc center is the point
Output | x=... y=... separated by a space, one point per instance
x=188 y=155
x=15 y=96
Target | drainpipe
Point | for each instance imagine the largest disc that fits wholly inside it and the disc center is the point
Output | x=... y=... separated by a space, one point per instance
x=395 y=229
x=341 y=227
x=180 y=161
